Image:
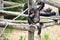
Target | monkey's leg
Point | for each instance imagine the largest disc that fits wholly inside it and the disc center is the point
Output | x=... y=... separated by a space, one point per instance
x=39 y=29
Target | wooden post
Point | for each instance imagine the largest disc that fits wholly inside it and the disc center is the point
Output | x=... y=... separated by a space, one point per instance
x=30 y=34
x=1 y=4
x=1 y=7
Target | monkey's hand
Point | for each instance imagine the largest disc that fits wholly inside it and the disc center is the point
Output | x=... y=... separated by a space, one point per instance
x=32 y=15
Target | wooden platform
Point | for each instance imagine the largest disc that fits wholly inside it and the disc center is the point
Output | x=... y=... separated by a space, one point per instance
x=1 y=29
x=55 y=17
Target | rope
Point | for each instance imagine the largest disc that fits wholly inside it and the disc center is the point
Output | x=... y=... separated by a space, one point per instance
x=11 y=21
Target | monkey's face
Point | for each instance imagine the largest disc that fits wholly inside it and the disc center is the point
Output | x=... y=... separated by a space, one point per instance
x=32 y=12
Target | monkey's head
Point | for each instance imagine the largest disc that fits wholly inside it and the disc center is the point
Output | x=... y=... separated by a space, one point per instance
x=48 y=10
x=42 y=4
x=25 y=6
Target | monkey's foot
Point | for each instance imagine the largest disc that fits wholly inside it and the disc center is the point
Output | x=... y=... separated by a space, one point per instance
x=34 y=26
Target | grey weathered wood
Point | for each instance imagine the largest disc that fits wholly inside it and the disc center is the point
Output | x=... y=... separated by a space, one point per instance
x=15 y=21
x=13 y=3
x=2 y=12
x=2 y=17
x=23 y=21
x=51 y=2
x=30 y=33
x=55 y=17
x=21 y=26
x=45 y=1
x=1 y=7
x=1 y=4
x=25 y=27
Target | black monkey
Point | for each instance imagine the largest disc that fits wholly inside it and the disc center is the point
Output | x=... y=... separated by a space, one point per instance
x=48 y=12
x=38 y=3
x=25 y=7
x=34 y=18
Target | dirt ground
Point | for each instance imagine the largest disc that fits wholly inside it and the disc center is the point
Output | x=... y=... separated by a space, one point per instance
x=52 y=31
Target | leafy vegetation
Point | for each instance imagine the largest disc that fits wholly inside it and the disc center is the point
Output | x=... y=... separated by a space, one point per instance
x=8 y=30
x=4 y=38
x=22 y=38
x=14 y=9
x=46 y=37
x=22 y=18
x=42 y=19
x=20 y=1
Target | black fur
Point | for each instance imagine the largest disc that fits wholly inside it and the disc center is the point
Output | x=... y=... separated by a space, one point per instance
x=42 y=4
x=25 y=7
x=48 y=12
x=35 y=19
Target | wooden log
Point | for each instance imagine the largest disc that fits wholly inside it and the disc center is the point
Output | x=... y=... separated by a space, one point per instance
x=51 y=2
x=16 y=26
x=2 y=12
x=1 y=7
x=45 y=1
x=15 y=21
x=2 y=17
x=13 y=3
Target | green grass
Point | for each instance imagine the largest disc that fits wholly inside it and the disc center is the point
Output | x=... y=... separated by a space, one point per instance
x=22 y=38
x=44 y=20
x=22 y=18
x=8 y=30
x=4 y=38
x=46 y=37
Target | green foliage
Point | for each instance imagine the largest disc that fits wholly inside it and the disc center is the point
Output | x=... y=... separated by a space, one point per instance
x=4 y=38
x=20 y=1
x=46 y=37
x=14 y=9
x=9 y=17
x=22 y=38
x=22 y=18
x=44 y=19
x=8 y=30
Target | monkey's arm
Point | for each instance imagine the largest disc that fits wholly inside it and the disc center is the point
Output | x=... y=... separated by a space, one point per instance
x=30 y=21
